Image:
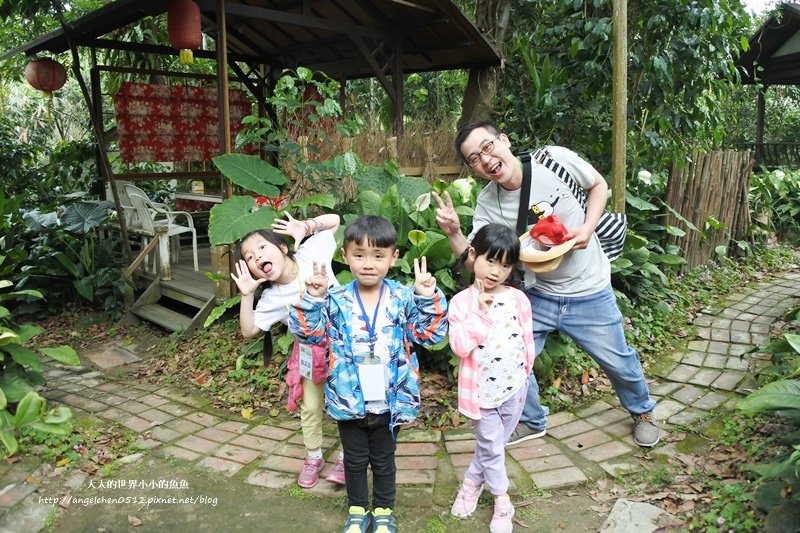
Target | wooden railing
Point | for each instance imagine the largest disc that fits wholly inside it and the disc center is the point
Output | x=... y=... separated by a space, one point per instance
x=774 y=155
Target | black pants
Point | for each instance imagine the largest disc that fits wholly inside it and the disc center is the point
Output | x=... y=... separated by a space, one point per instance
x=369 y=441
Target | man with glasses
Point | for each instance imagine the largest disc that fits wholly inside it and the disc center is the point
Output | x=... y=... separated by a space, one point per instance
x=576 y=297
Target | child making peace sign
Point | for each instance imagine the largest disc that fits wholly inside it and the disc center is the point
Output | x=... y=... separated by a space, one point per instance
x=373 y=384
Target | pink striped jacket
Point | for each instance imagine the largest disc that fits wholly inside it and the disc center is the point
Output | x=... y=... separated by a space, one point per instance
x=469 y=326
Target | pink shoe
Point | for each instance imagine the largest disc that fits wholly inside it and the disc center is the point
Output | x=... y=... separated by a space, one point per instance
x=503 y=514
x=336 y=475
x=309 y=475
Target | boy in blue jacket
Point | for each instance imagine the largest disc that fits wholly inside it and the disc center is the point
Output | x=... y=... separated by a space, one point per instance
x=373 y=382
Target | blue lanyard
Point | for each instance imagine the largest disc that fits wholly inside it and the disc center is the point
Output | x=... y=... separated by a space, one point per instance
x=370 y=326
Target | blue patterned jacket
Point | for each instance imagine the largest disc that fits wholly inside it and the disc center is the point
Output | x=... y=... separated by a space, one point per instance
x=415 y=319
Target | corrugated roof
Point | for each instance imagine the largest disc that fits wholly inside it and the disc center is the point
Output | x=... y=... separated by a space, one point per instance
x=343 y=38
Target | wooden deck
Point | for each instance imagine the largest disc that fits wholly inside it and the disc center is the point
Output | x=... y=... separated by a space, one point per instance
x=184 y=278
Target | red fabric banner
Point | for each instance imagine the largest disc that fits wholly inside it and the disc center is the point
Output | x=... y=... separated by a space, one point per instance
x=172 y=122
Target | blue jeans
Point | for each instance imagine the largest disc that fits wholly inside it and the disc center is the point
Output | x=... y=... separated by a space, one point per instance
x=594 y=322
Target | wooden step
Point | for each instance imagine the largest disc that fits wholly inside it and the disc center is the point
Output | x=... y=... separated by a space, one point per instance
x=181 y=294
x=166 y=318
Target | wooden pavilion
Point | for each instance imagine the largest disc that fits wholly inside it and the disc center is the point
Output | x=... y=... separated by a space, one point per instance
x=256 y=40
x=773 y=58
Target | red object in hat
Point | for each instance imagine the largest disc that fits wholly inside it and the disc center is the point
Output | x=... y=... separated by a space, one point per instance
x=550 y=231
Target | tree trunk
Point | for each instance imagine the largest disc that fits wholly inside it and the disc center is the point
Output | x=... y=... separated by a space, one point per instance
x=491 y=17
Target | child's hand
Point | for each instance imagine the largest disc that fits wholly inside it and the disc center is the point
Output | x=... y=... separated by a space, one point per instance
x=291 y=226
x=424 y=282
x=317 y=284
x=244 y=279
x=484 y=298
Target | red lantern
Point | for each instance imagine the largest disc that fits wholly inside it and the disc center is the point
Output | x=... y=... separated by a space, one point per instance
x=183 y=26
x=45 y=74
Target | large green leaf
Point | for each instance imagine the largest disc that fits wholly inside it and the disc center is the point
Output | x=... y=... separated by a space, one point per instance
x=251 y=173
x=16 y=295
x=667 y=259
x=784 y=517
x=56 y=429
x=24 y=356
x=794 y=340
x=234 y=218
x=30 y=408
x=3 y=401
x=370 y=202
x=85 y=287
x=7 y=436
x=783 y=394
x=63 y=354
x=219 y=310
x=15 y=387
x=638 y=203
x=59 y=415
x=322 y=200
x=8 y=338
x=437 y=251
x=28 y=331
x=83 y=216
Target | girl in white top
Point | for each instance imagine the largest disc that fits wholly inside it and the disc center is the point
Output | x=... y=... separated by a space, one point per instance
x=266 y=258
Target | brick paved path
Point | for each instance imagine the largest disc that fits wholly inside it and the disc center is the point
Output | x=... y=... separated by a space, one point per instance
x=595 y=441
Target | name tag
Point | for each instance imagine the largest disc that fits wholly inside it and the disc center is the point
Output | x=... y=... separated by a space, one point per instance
x=372 y=382
x=305 y=361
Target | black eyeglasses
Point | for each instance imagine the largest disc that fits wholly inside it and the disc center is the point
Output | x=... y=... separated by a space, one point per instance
x=486 y=149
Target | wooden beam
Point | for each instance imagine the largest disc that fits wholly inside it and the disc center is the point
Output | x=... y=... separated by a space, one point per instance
x=619 y=105
x=305 y=21
x=376 y=69
x=159 y=49
x=246 y=81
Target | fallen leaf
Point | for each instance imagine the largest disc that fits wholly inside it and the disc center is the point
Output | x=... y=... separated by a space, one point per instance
x=247 y=413
x=585 y=377
x=132 y=520
x=63 y=462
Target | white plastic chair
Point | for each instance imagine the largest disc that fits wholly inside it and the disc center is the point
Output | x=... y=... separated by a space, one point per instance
x=150 y=215
x=131 y=218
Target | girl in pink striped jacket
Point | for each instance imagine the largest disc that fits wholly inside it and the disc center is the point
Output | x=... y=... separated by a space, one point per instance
x=490 y=332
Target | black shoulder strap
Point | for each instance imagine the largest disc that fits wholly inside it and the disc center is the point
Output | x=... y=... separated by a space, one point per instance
x=525 y=194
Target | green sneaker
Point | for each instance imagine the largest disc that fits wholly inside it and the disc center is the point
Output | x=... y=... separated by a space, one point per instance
x=383 y=521
x=357 y=521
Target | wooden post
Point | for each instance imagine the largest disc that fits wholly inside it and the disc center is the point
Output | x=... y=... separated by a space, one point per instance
x=760 y=116
x=429 y=172
x=220 y=265
x=391 y=147
x=164 y=267
x=222 y=83
x=619 y=104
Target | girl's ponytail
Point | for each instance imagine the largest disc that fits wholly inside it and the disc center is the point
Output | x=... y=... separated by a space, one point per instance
x=460 y=272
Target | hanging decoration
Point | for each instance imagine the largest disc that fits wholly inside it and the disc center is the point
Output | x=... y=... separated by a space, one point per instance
x=45 y=75
x=183 y=26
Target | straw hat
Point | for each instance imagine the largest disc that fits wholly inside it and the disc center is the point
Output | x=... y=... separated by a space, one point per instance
x=538 y=257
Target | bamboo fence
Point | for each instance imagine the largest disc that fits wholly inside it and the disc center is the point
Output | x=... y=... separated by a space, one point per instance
x=709 y=185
